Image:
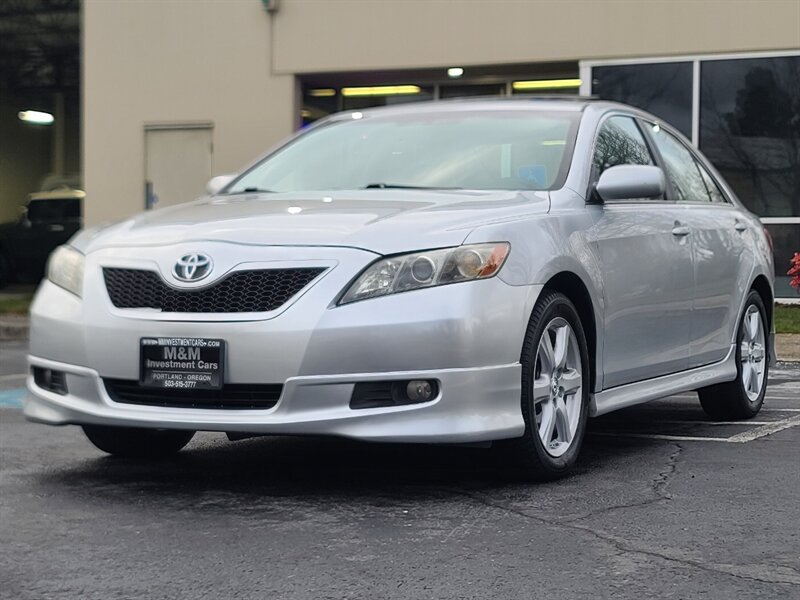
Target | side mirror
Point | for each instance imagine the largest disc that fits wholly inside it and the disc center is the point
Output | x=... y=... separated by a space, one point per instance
x=215 y=184
x=23 y=217
x=631 y=182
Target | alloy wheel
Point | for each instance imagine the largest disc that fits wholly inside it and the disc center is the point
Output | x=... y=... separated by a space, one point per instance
x=558 y=387
x=752 y=353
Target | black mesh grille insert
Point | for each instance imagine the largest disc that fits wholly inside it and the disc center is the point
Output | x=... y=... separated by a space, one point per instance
x=231 y=396
x=242 y=291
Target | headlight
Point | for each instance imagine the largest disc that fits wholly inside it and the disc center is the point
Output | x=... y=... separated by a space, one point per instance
x=427 y=269
x=65 y=269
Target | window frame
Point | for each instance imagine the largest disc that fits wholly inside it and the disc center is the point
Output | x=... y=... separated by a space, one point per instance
x=591 y=194
x=671 y=192
x=700 y=161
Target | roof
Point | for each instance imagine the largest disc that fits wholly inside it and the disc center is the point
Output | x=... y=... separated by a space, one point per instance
x=58 y=195
x=554 y=103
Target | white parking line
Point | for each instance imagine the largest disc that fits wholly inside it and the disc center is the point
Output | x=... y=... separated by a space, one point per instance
x=658 y=436
x=715 y=422
x=13 y=376
x=739 y=438
x=759 y=432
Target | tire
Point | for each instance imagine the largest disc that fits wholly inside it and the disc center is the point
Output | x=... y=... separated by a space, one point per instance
x=555 y=391
x=129 y=442
x=742 y=398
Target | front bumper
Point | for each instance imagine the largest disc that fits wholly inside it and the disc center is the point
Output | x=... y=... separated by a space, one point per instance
x=467 y=336
x=474 y=405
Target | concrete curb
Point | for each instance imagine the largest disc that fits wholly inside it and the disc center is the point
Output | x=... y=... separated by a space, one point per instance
x=787 y=346
x=15 y=328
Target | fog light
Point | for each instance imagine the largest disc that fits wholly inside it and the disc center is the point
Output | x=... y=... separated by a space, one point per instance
x=419 y=390
x=51 y=380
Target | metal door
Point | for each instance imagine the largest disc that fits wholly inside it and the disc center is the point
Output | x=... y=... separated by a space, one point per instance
x=645 y=256
x=178 y=163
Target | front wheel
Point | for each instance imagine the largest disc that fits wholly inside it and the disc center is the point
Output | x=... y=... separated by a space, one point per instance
x=131 y=442
x=742 y=398
x=555 y=390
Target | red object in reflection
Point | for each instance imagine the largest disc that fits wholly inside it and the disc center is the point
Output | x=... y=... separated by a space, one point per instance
x=794 y=272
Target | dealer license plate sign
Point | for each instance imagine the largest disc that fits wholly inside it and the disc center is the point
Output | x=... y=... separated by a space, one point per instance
x=181 y=363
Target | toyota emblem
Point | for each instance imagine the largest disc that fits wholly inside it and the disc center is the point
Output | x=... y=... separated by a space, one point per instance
x=192 y=267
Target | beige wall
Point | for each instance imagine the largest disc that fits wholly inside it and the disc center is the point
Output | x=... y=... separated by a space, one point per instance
x=329 y=35
x=160 y=61
x=232 y=63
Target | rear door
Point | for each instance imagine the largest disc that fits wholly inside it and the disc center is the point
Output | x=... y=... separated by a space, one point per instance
x=645 y=258
x=718 y=245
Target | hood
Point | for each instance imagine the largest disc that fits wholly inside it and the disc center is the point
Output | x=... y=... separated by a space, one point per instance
x=382 y=221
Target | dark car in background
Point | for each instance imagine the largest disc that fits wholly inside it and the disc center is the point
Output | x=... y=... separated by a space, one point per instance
x=49 y=220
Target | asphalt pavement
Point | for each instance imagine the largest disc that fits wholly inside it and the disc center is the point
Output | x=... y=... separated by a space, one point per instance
x=665 y=504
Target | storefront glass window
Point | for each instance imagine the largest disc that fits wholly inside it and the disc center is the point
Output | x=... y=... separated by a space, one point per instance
x=663 y=89
x=786 y=239
x=464 y=91
x=750 y=129
x=356 y=102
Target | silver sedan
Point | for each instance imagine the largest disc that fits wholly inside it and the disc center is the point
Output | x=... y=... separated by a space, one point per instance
x=453 y=272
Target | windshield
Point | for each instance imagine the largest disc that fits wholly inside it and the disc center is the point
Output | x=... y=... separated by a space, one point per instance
x=480 y=150
x=54 y=210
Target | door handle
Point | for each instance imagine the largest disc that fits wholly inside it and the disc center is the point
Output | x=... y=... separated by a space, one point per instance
x=55 y=227
x=739 y=226
x=680 y=230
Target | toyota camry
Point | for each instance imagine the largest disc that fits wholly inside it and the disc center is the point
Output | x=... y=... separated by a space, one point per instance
x=453 y=272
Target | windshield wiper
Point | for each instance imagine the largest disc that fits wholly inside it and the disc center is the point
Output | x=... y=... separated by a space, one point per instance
x=397 y=186
x=250 y=190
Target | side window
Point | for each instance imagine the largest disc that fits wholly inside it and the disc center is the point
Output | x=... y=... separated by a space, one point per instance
x=682 y=169
x=712 y=186
x=619 y=143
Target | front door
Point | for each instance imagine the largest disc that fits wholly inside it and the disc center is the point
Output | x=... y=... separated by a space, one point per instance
x=645 y=258
x=646 y=264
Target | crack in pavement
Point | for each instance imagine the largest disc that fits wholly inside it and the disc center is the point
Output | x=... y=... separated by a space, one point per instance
x=657 y=487
x=775 y=574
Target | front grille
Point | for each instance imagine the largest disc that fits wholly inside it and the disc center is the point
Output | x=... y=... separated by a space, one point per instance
x=241 y=291
x=231 y=396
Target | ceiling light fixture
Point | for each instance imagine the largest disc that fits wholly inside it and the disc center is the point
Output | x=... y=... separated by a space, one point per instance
x=455 y=72
x=322 y=92
x=546 y=84
x=35 y=116
x=381 y=90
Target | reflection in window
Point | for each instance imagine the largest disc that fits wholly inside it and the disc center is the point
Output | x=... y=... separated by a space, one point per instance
x=682 y=169
x=786 y=239
x=664 y=89
x=750 y=129
x=620 y=143
x=712 y=187
x=483 y=150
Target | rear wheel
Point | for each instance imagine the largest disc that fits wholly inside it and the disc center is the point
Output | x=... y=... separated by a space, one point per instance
x=130 y=442
x=742 y=398
x=555 y=391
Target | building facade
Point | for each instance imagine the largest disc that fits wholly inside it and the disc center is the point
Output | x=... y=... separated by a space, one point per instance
x=175 y=92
